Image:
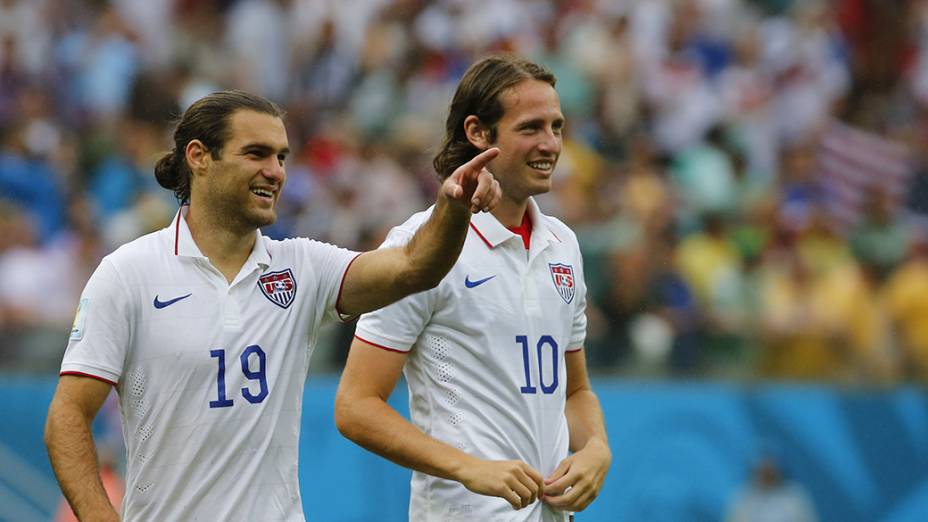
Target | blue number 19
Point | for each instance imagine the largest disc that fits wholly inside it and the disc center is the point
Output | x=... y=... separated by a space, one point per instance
x=259 y=375
x=545 y=388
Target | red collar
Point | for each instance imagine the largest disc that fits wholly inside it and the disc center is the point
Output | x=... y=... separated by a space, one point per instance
x=524 y=230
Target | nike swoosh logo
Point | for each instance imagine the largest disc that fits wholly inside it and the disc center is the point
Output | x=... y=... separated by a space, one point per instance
x=161 y=304
x=470 y=284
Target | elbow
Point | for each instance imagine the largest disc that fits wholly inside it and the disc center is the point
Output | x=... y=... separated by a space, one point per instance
x=48 y=437
x=346 y=418
x=50 y=428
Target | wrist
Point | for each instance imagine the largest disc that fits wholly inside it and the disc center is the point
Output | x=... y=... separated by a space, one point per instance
x=599 y=445
x=458 y=465
x=445 y=205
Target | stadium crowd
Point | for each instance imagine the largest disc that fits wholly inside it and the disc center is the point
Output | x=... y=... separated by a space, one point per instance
x=748 y=179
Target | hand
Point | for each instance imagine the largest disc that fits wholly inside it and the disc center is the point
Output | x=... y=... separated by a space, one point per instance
x=472 y=185
x=578 y=478
x=513 y=480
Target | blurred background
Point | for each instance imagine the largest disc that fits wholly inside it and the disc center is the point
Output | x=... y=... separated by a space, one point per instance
x=748 y=180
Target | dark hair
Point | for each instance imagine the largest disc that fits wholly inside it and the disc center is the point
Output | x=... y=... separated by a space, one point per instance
x=206 y=120
x=478 y=94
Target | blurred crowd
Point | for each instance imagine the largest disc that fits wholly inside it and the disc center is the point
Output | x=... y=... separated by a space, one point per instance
x=746 y=177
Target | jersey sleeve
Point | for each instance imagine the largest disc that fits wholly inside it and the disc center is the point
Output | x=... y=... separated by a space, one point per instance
x=578 y=330
x=396 y=327
x=330 y=264
x=100 y=334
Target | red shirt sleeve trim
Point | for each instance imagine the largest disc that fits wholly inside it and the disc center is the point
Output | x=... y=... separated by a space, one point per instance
x=375 y=345
x=341 y=287
x=574 y=350
x=81 y=374
x=473 y=226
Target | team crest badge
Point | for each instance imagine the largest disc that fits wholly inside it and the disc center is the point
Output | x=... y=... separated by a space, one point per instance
x=563 y=276
x=279 y=287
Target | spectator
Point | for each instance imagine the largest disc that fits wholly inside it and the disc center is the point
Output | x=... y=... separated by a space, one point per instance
x=756 y=106
x=771 y=497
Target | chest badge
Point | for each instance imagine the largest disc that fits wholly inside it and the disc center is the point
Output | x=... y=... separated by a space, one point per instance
x=563 y=277
x=279 y=287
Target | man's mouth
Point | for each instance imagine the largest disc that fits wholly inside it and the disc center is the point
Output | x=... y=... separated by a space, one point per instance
x=542 y=165
x=263 y=193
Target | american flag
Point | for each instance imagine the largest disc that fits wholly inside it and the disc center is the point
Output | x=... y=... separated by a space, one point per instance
x=857 y=165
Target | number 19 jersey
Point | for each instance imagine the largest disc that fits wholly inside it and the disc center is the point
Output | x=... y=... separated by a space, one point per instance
x=209 y=374
x=486 y=368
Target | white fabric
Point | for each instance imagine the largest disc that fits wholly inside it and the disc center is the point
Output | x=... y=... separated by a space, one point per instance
x=465 y=369
x=186 y=459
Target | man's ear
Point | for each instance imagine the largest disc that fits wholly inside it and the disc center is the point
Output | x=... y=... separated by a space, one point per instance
x=477 y=134
x=198 y=157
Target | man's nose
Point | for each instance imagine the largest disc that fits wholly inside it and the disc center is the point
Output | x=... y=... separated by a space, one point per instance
x=550 y=142
x=274 y=170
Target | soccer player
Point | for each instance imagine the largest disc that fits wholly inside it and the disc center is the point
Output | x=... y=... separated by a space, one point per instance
x=493 y=356
x=206 y=327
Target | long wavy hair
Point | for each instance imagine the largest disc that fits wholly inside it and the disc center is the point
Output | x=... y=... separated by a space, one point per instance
x=478 y=94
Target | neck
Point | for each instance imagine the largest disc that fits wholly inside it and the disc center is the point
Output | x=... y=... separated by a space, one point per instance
x=510 y=212
x=226 y=246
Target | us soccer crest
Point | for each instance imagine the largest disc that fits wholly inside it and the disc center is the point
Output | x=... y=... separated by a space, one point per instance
x=279 y=287
x=563 y=276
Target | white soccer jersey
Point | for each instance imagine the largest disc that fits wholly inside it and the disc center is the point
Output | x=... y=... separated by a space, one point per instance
x=486 y=370
x=209 y=374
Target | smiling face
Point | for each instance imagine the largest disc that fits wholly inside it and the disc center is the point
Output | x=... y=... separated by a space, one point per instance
x=529 y=139
x=242 y=186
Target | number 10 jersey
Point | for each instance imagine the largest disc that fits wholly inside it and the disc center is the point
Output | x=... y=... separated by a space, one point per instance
x=486 y=368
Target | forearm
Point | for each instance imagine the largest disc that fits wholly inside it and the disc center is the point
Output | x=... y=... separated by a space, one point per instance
x=74 y=460
x=585 y=420
x=381 y=277
x=437 y=244
x=373 y=424
x=435 y=247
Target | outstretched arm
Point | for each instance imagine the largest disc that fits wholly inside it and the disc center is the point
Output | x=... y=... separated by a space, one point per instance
x=584 y=471
x=380 y=277
x=70 y=446
x=363 y=415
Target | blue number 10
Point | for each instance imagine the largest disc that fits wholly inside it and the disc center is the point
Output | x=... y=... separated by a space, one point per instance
x=259 y=375
x=539 y=348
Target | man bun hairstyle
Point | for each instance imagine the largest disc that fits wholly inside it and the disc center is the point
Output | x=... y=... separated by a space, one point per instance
x=206 y=120
x=173 y=176
x=478 y=94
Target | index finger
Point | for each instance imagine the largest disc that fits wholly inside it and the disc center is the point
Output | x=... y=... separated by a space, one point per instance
x=529 y=479
x=558 y=487
x=565 y=501
x=560 y=471
x=535 y=476
x=478 y=162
